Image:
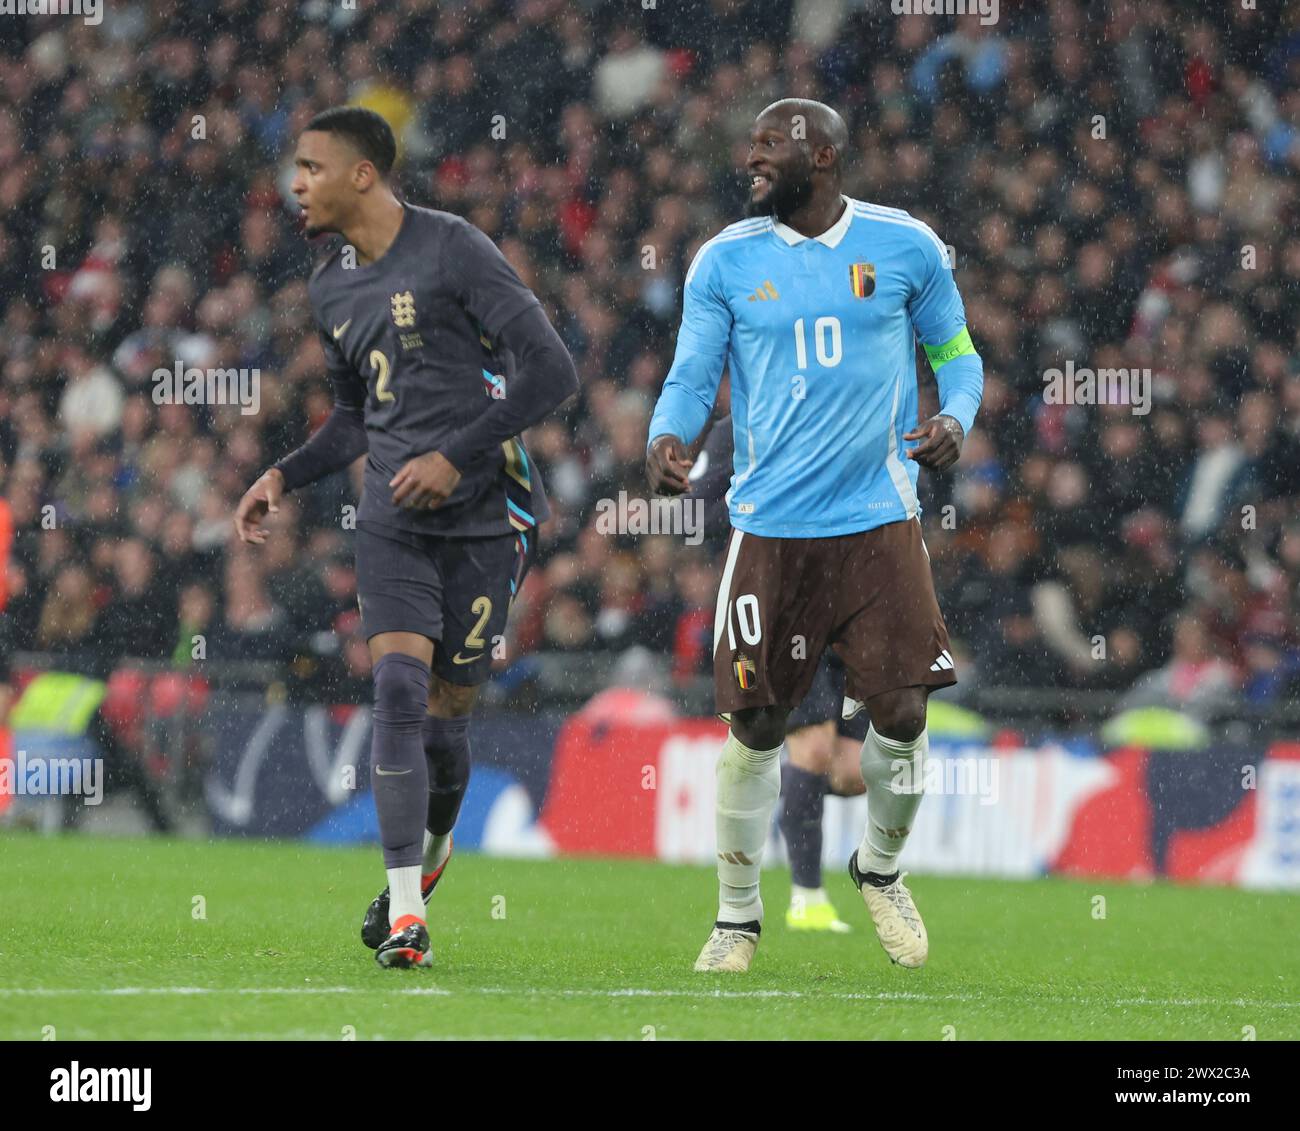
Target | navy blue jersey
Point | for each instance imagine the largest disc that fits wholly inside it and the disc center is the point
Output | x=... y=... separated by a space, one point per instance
x=710 y=474
x=414 y=340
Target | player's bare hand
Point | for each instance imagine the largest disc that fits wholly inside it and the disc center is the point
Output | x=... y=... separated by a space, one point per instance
x=426 y=481
x=261 y=499
x=666 y=466
x=940 y=446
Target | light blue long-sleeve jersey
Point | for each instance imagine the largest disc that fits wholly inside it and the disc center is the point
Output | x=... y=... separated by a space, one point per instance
x=820 y=338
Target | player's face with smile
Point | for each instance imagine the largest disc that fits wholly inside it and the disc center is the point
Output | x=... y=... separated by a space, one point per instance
x=321 y=183
x=779 y=168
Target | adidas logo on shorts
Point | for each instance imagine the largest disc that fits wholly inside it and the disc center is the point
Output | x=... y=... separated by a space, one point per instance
x=943 y=663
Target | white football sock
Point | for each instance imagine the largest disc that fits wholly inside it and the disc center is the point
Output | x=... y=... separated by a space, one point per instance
x=749 y=783
x=894 y=773
x=404 y=893
x=801 y=898
x=436 y=851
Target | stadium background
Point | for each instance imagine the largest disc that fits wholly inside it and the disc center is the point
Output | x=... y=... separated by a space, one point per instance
x=1170 y=243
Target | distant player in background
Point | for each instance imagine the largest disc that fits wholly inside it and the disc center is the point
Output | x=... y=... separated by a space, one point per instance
x=440 y=357
x=815 y=304
x=822 y=748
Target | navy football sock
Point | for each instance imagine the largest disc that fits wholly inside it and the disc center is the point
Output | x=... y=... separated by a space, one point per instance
x=446 y=748
x=802 y=794
x=399 y=775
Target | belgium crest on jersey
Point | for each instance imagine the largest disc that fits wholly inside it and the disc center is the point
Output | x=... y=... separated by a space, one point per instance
x=862 y=277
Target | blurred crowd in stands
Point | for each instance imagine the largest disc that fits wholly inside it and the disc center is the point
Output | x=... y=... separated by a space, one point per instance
x=1118 y=181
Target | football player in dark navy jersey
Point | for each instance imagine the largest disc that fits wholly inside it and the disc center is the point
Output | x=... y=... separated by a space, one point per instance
x=440 y=357
x=823 y=747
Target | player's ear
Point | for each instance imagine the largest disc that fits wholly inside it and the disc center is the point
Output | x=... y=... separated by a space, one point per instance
x=364 y=176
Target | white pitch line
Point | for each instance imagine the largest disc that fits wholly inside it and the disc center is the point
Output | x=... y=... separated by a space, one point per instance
x=328 y=1038
x=185 y=991
x=793 y=995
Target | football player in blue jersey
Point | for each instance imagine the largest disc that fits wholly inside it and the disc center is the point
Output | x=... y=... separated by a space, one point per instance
x=814 y=305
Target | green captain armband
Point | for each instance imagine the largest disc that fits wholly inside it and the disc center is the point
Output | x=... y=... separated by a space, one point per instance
x=958 y=346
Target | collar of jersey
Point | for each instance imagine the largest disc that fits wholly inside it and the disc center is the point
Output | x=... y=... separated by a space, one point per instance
x=830 y=237
x=401 y=233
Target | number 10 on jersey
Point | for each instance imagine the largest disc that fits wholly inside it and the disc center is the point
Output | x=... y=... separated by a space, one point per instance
x=826 y=342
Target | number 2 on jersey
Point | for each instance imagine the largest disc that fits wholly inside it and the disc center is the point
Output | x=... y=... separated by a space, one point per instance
x=382 y=393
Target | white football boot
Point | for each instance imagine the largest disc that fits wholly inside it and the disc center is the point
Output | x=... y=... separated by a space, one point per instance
x=730 y=949
x=898 y=923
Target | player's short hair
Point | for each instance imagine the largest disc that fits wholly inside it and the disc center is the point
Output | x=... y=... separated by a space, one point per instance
x=364 y=130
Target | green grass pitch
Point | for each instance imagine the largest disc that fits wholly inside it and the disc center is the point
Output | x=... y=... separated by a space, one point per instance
x=99 y=938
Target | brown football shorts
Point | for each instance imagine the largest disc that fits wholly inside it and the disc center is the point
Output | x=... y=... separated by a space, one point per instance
x=868 y=596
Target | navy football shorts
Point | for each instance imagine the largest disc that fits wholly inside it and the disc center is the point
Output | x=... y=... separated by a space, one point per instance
x=825 y=701
x=455 y=591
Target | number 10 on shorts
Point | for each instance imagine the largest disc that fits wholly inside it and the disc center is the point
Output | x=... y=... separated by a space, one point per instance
x=743 y=611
